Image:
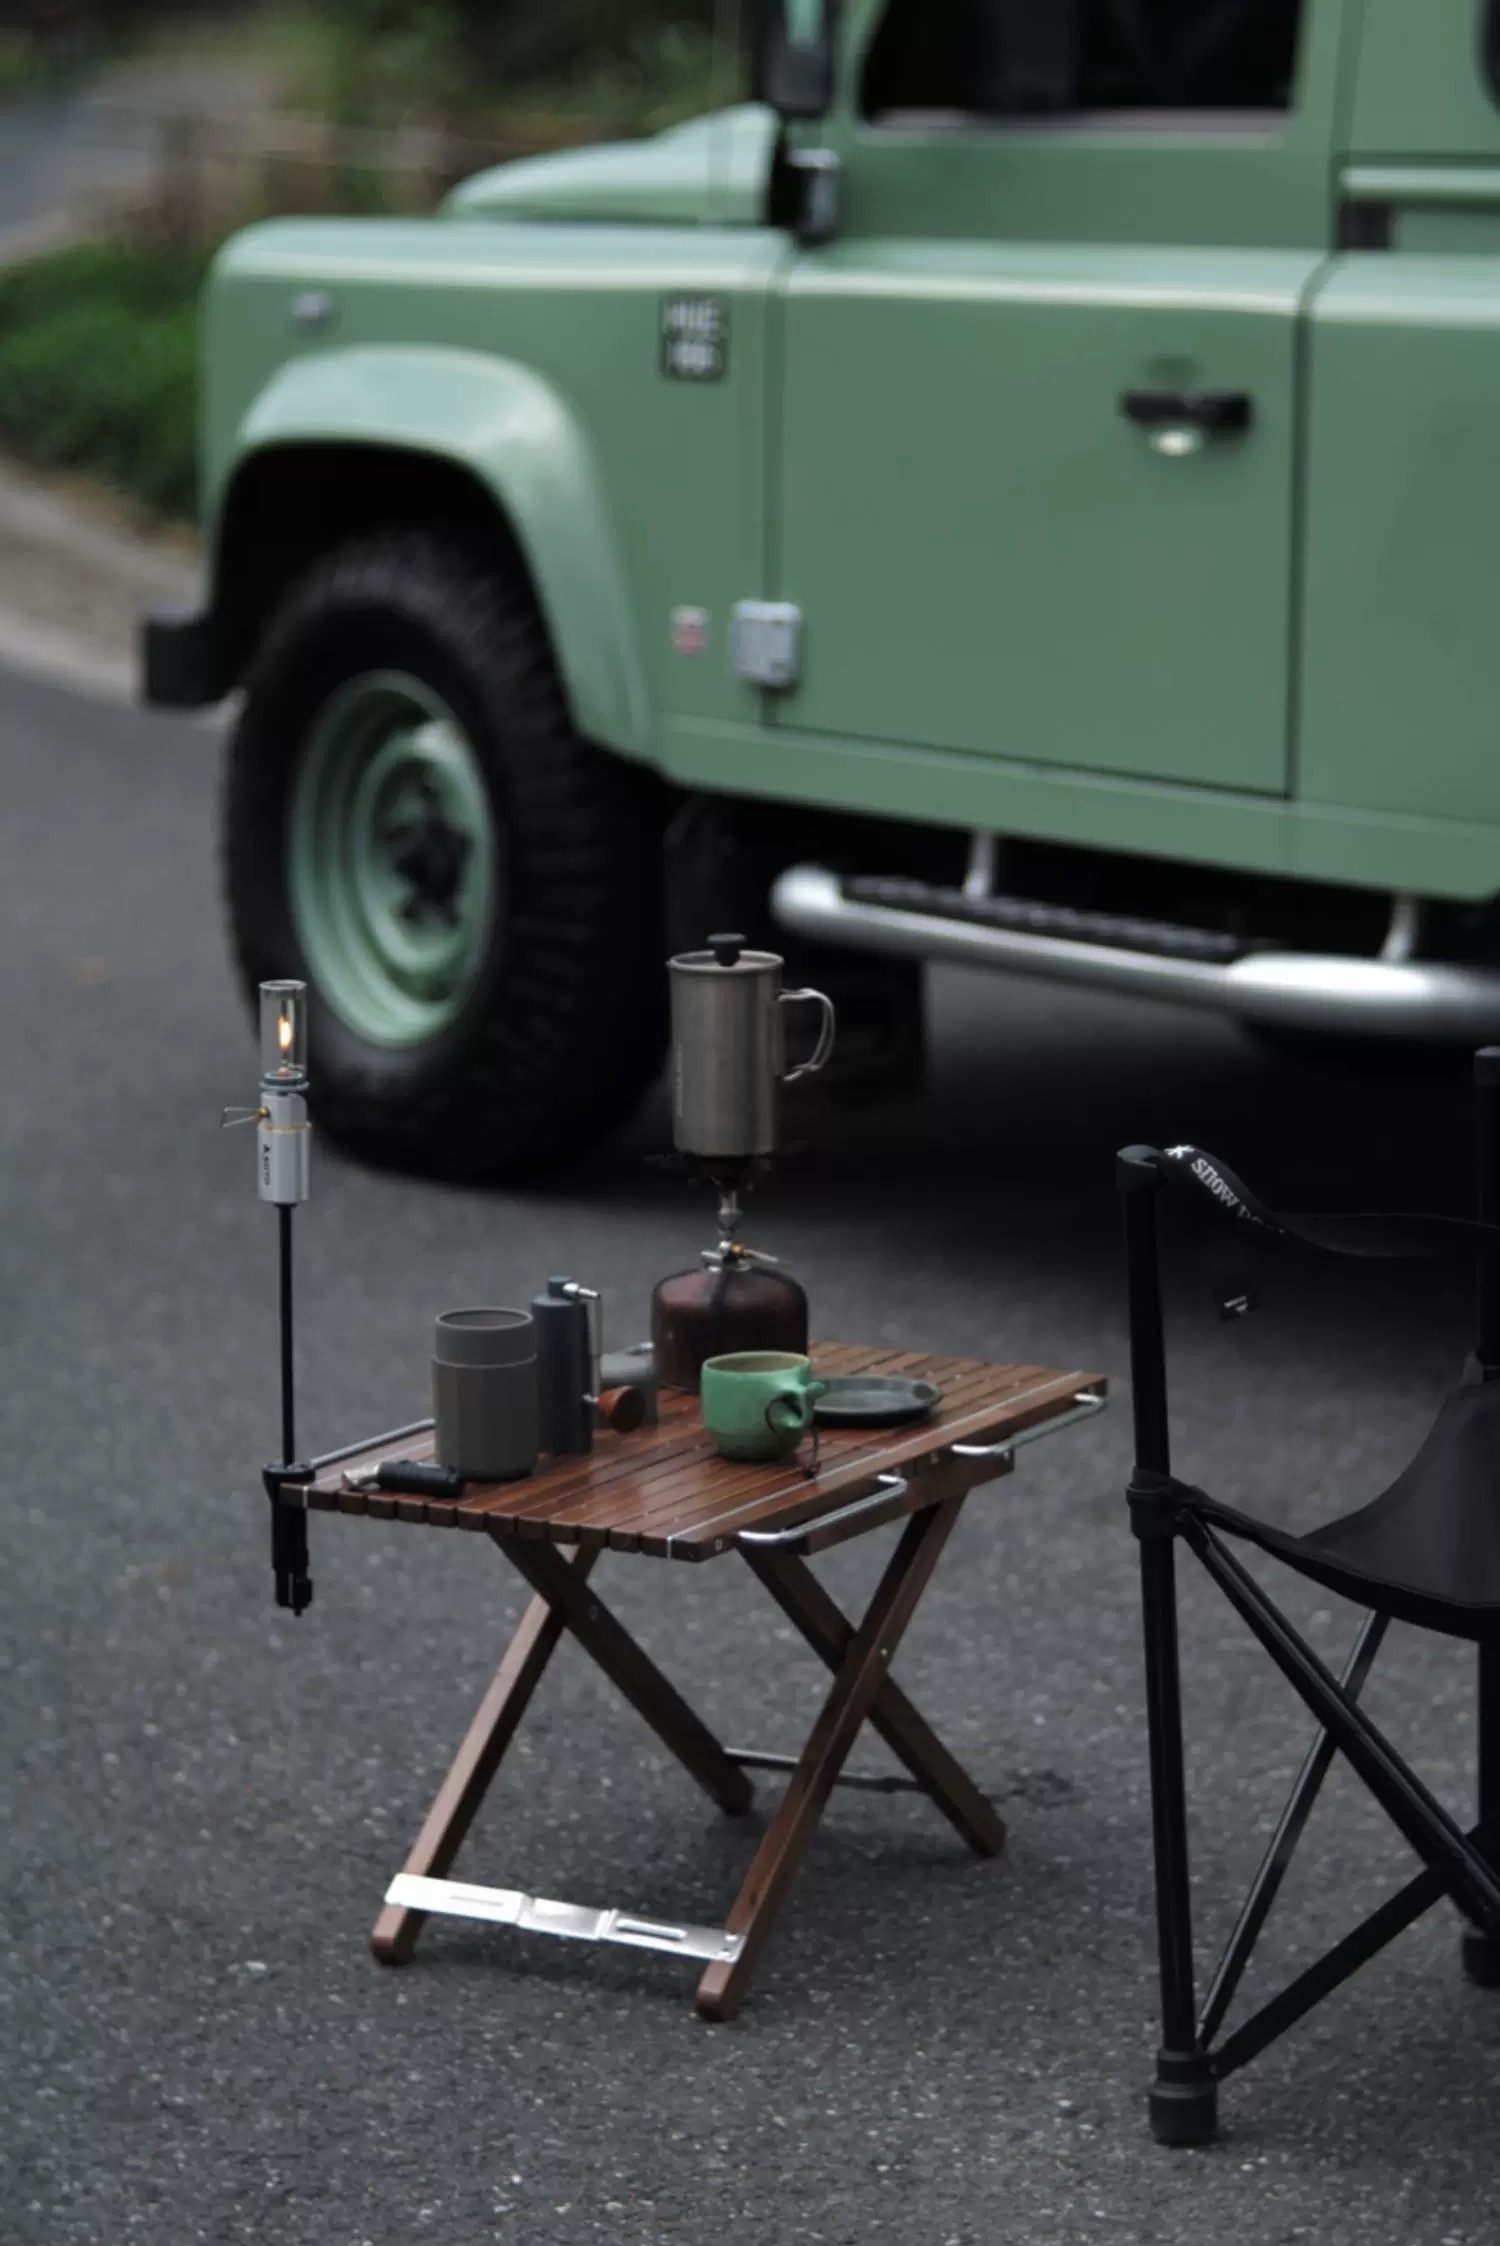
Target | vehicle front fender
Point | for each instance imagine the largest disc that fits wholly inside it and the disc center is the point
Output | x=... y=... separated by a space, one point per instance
x=515 y=434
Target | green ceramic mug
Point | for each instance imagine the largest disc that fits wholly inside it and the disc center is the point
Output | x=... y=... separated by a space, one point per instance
x=758 y=1404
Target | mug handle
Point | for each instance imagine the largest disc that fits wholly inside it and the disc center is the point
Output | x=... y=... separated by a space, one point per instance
x=794 y=1409
x=826 y=1034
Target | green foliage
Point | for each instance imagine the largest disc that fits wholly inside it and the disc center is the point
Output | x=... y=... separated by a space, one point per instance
x=663 y=78
x=98 y=367
x=514 y=42
x=98 y=345
x=20 y=61
x=533 y=72
x=605 y=65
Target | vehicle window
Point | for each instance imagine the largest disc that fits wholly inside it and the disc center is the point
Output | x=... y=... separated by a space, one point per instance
x=1035 y=58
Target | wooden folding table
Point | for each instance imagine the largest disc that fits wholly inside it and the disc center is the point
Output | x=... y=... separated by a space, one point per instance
x=664 y=1494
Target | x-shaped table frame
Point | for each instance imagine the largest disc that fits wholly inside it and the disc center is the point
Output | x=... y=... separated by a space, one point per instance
x=665 y=1494
x=859 y=1657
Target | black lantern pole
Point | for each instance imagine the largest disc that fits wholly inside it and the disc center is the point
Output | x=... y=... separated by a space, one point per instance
x=283 y=1179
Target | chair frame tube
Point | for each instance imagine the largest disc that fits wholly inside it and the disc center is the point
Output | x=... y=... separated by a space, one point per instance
x=1464 y=1867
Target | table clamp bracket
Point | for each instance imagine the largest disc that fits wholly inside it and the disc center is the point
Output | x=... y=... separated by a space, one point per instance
x=570 y=1922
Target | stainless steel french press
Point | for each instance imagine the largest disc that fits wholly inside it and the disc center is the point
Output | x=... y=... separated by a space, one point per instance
x=729 y=1050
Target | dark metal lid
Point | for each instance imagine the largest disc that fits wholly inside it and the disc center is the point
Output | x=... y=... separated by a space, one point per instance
x=727 y=955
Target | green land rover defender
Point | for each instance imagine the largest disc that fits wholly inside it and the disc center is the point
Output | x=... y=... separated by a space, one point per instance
x=1025 y=490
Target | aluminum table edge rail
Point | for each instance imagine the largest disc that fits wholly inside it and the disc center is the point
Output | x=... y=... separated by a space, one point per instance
x=893 y=1488
x=1087 y=1404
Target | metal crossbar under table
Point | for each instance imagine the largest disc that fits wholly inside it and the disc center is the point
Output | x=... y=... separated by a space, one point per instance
x=663 y=1493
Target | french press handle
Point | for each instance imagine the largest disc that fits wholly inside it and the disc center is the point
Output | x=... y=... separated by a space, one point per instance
x=826 y=1035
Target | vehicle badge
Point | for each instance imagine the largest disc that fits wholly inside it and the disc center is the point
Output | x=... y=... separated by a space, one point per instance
x=694 y=338
x=690 y=630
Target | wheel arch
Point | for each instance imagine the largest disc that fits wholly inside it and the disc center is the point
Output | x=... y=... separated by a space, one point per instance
x=356 y=441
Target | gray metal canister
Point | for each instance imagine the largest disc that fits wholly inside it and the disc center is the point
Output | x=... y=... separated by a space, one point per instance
x=728 y=1050
x=484 y=1394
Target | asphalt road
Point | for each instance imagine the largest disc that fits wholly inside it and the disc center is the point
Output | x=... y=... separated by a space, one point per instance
x=205 y=1800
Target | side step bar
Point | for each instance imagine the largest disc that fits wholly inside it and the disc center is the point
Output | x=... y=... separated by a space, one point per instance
x=1389 y=997
x=1024 y=916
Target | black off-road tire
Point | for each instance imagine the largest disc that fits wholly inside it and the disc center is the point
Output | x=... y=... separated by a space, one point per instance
x=565 y=1027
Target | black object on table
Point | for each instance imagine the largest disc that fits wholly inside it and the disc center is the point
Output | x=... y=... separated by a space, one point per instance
x=411 y=1477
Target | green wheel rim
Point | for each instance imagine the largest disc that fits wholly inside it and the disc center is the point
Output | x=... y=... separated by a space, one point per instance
x=391 y=859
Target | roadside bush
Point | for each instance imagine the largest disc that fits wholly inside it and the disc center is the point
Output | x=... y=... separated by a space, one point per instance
x=98 y=344
x=510 y=43
x=574 y=70
x=20 y=61
x=98 y=367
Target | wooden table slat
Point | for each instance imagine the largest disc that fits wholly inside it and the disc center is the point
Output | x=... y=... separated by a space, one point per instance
x=681 y=1494
x=679 y=1487
x=665 y=1492
x=917 y=1450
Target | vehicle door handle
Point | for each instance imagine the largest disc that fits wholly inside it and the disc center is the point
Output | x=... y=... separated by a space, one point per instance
x=1217 y=413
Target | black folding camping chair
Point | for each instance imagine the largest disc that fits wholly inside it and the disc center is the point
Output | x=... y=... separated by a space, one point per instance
x=1426 y=1551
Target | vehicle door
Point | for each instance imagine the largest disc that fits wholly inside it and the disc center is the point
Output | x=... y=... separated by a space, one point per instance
x=1036 y=488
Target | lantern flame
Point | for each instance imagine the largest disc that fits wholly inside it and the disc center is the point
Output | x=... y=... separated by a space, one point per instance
x=285 y=1033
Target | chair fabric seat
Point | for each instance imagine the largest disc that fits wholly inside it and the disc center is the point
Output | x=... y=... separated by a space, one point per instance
x=1427 y=1550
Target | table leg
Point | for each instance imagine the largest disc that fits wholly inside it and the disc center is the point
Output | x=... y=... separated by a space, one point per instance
x=631 y=1671
x=496 y=1721
x=805 y=1602
x=856 y=1687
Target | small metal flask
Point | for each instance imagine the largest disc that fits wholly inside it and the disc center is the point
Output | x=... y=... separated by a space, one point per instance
x=729 y=1050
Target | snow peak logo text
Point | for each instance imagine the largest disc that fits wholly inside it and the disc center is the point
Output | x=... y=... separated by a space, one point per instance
x=694 y=338
x=1216 y=1186
x=1209 y=1178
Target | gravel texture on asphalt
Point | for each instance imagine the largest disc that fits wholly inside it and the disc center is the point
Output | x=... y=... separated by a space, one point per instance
x=205 y=1800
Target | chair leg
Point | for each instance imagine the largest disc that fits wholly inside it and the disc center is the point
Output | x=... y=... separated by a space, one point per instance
x=1274 y=1865
x=1467 y=1874
x=1481 y=1951
x=1183 y=2100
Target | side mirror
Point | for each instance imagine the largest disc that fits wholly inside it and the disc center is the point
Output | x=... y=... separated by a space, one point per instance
x=798 y=60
